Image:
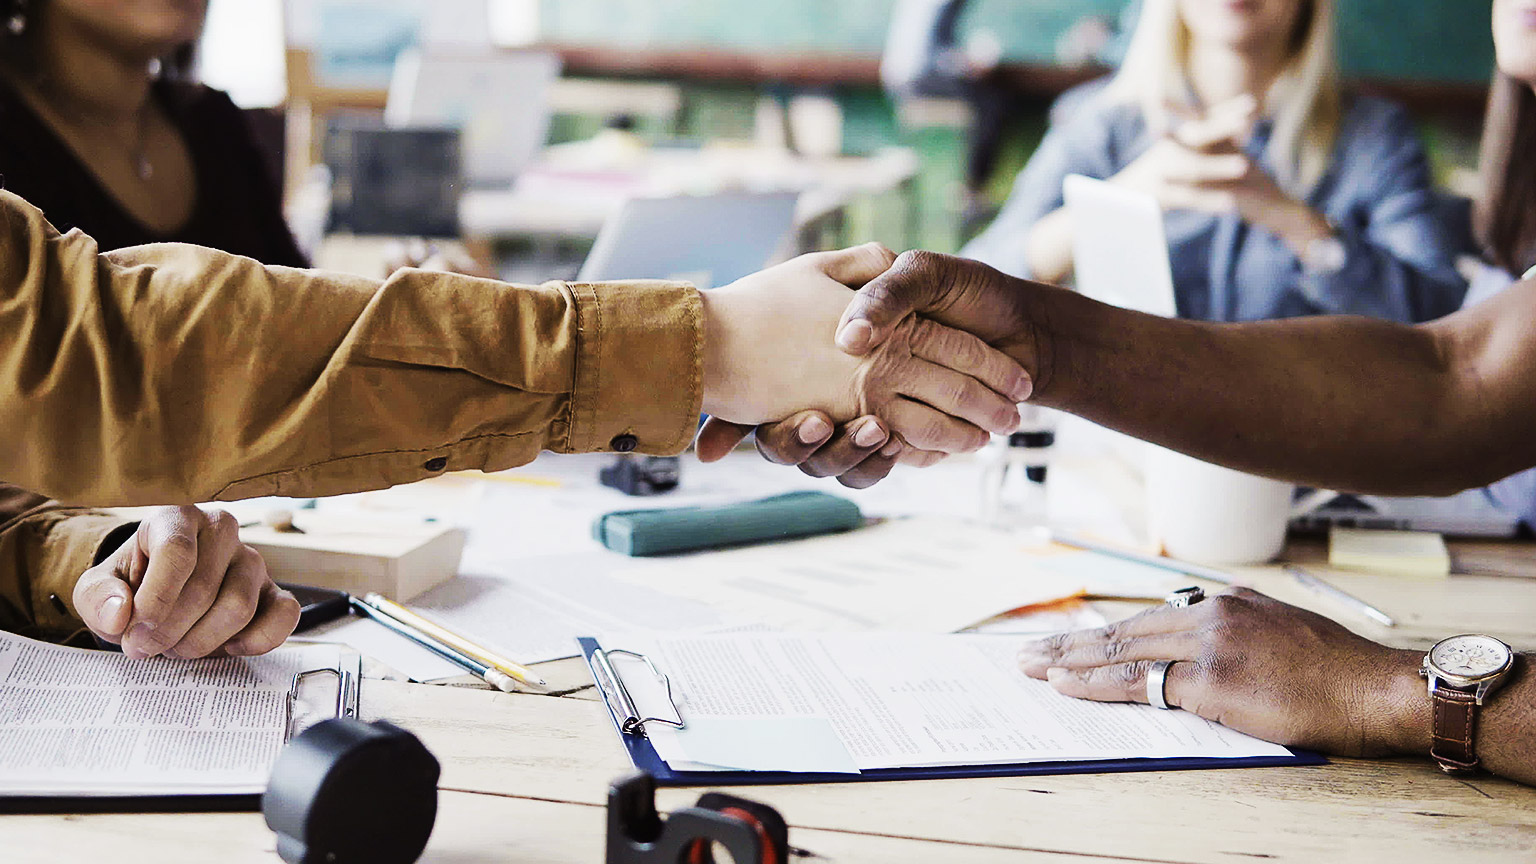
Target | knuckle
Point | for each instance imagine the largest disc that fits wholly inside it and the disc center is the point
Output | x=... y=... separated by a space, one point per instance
x=1128 y=674
x=224 y=524
x=177 y=550
x=1226 y=604
x=252 y=556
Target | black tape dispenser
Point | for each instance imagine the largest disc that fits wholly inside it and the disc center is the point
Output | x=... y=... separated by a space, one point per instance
x=752 y=833
x=346 y=791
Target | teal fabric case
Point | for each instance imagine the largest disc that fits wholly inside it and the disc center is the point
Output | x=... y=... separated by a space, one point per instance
x=684 y=529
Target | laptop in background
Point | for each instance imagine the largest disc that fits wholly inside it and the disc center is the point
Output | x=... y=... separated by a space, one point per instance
x=1469 y=514
x=393 y=182
x=499 y=102
x=1120 y=257
x=1119 y=250
x=708 y=240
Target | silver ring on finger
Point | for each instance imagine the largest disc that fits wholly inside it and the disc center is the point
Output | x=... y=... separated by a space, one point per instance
x=1157 y=682
x=1185 y=597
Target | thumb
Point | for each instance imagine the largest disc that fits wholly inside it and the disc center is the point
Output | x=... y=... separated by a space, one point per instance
x=717 y=438
x=104 y=600
x=855 y=265
x=909 y=285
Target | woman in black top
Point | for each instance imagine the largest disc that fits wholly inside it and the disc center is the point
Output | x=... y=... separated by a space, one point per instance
x=100 y=129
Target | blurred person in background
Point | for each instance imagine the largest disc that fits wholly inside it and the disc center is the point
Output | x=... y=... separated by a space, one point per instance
x=925 y=59
x=102 y=128
x=1505 y=212
x=1283 y=197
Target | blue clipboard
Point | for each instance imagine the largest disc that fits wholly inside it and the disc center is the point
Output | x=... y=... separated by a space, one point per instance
x=646 y=759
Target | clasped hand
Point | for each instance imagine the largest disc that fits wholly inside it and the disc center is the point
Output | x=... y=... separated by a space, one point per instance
x=964 y=354
x=771 y=351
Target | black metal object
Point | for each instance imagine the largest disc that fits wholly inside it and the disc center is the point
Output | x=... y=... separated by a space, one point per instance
x=642 y=475
x=347 y=791
x=752 y=833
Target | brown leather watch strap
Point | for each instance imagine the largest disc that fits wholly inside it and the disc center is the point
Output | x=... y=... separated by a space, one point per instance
x=1455 y=730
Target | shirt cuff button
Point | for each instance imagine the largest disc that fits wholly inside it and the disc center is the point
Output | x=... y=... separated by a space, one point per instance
x=437 y=464
x=624 y=443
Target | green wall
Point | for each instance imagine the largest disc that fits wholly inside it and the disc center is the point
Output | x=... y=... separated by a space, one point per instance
x=1434 y=40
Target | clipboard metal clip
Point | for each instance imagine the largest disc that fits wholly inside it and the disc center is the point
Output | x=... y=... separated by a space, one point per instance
x=346 y=696
x=616 y=695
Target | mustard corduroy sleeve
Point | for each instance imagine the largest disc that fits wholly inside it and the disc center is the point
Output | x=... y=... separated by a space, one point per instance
x=173 y=374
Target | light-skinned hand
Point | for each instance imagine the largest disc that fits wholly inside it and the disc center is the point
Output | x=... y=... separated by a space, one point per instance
x=185 y=586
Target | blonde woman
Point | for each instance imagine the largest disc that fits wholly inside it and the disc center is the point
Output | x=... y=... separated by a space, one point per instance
x=1283 y=198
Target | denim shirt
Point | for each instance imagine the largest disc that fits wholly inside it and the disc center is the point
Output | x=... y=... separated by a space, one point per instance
x=1399 y=238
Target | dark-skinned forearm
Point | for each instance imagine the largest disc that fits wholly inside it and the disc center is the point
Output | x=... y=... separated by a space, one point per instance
x=1335 y=402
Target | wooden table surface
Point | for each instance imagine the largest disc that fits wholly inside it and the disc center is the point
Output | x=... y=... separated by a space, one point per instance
x=525 y=777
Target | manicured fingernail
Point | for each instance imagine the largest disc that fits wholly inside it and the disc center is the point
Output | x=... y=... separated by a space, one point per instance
x=855 y=335
x=111 y=607
x=1022 y=388
x=813 y=430
x=868 y=435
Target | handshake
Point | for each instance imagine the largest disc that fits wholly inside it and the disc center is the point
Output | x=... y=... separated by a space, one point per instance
x=928 y=357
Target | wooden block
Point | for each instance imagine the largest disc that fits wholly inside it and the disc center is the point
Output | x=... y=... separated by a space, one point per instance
x=397 y=559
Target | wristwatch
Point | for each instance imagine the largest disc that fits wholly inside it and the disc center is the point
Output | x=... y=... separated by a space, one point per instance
x=1462 y=671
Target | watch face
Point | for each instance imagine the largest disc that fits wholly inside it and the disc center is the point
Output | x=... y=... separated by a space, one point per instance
x=1470 y=657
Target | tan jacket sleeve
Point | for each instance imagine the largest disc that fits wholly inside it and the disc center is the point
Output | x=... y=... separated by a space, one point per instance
x=44 y=547
x=172 y=374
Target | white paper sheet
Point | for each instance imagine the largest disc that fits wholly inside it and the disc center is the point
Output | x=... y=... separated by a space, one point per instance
x=926 y=574
x=534 y=611
x=901 y=700
x=82 y=723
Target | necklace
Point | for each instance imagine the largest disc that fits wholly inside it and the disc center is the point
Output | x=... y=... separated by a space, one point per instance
x=137 y=151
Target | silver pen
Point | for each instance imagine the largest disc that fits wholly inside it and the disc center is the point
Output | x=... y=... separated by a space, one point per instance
x=1174 y=565
x=1318 y=586
x=494 y=677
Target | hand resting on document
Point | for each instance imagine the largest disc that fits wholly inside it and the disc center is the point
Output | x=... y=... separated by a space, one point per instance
x=185 y=586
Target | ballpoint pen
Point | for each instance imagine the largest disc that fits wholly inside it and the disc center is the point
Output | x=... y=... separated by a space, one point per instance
x=493 y=677
x=435 y=631
x=1173 y=564
x=1318 y=586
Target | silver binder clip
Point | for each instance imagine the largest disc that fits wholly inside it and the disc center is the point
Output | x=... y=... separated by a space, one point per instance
x=620 y=704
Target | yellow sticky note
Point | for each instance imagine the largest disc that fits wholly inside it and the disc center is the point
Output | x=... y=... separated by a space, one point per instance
x=1404 y=553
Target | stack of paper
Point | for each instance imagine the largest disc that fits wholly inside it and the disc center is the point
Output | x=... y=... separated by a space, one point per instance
x=1403 y=553
x=94 y=723
x=855 y=702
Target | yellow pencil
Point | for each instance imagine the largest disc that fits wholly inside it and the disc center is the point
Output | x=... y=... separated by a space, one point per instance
x=442 y=634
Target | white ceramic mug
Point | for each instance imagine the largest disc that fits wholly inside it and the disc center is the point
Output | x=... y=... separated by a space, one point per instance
x=1212 y=515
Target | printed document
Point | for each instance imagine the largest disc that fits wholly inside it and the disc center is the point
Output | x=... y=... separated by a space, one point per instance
x=842 y=702
x=75 y=722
